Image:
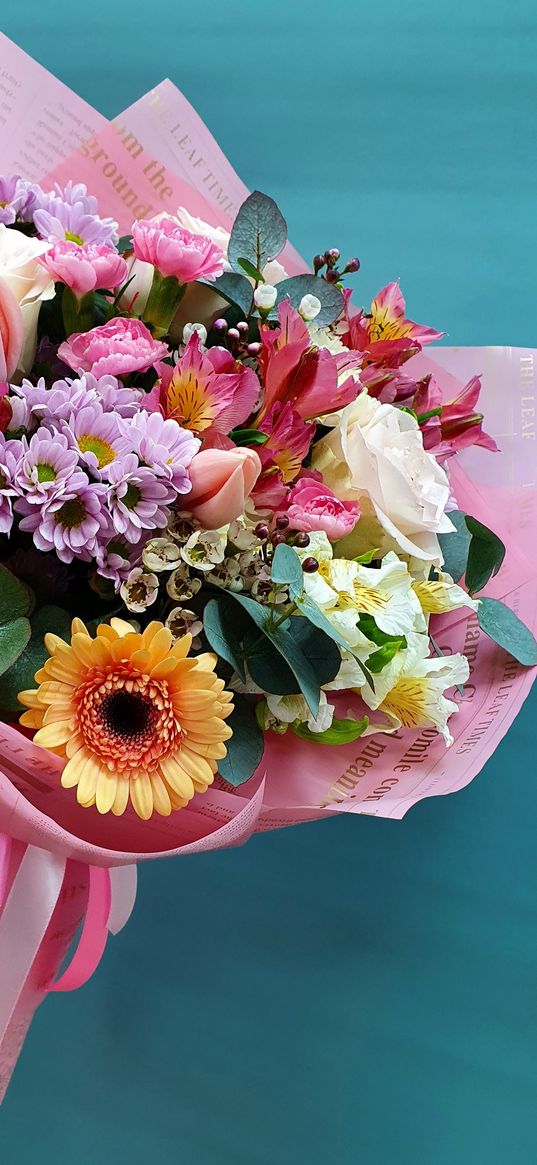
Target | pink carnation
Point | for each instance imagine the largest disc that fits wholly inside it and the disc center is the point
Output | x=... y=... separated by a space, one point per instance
x=311 y=505
x=176 y=251
x=117 y=348
x=85 y=268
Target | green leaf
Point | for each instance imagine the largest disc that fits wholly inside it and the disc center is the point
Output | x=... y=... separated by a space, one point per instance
x=21 y=674
x=384 y=655
x=13 y=639
x=312 y=612
x=16 y=598
x=455 y=546
x=245 y=748
x=125 y=244
x=332 y=299
x=235 y=288
x=224 y=629
x=286 y=568
x=258 y=234
x=367 y=558
x=485 y=555
x=369 y=628
x=250 y=270
x=340 y=732
x=249 y=437
x=508 y=631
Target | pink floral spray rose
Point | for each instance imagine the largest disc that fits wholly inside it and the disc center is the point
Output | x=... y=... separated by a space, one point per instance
x=179 y=257
x=311 y=505
x=117 y=348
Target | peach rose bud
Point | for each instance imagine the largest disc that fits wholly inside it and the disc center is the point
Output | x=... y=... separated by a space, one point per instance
x=222 y=480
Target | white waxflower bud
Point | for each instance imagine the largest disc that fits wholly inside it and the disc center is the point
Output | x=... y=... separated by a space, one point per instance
x=139 y=590
x=181 y=586
x=309 y=307
x=265 y=297
x=161 y=554
x=189 y=330
x=181 y=622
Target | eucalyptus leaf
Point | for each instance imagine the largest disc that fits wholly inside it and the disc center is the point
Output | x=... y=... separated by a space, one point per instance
x=13 y=639
x=224 y=629
x=455 y=546
x=312 y=612
x=485 y=555
x=285 y=639
x=332 y=299
x=508 y=631
x=268 y=668
x=124 y=244
x=258 y=234
x=16 y=598
x=245 y=748
x=237 y=289
x=21 y=674
x=286 y=568
x=340 y=732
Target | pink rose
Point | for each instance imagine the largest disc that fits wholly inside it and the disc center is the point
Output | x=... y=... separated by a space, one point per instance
x=117 y=348
x=11 y=332
x=85 y=268
x=222 y=480
x=311 y=505
x=176 y=251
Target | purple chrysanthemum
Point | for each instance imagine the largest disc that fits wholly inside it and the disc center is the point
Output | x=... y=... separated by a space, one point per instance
x=45 y=467
x=10 y=454
x=136 y=498
x=55 y=404
x=163 y=446
x=96 y=437
x=115 y=557
x=71 y=214
x=16 y=199
x=69 y=524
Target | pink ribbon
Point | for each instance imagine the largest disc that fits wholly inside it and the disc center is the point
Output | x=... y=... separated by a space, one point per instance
x=27 y=907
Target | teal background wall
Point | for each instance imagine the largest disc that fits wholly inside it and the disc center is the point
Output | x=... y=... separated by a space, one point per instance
x=356 y=990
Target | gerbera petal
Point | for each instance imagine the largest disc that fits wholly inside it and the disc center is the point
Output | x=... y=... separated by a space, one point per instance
x=161 y=797
x=142 y=795
x=105 y=793
x=175 y=776
x=121 y=799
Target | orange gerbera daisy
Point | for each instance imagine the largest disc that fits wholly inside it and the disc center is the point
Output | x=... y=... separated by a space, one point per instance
x=136 y=717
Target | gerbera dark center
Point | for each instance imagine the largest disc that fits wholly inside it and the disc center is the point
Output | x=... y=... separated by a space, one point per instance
x=126 y=714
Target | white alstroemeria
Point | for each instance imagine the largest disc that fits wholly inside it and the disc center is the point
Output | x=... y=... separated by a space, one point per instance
x=205 y=548
x=410 y=689
x=438 y=596
x=289 y=709
x=324 y=338
x=318 y=547
x=384 y=592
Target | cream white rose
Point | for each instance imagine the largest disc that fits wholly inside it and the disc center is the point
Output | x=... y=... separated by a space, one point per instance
x=375 y=455
x=29 y=281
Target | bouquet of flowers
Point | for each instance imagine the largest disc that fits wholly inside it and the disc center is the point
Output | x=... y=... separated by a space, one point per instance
x=240 y=560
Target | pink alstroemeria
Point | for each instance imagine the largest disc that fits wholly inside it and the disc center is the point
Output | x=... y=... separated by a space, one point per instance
x=207 y=391
x=299 y=374
x=456 y=424
x=385 y=335
x=289 y=438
